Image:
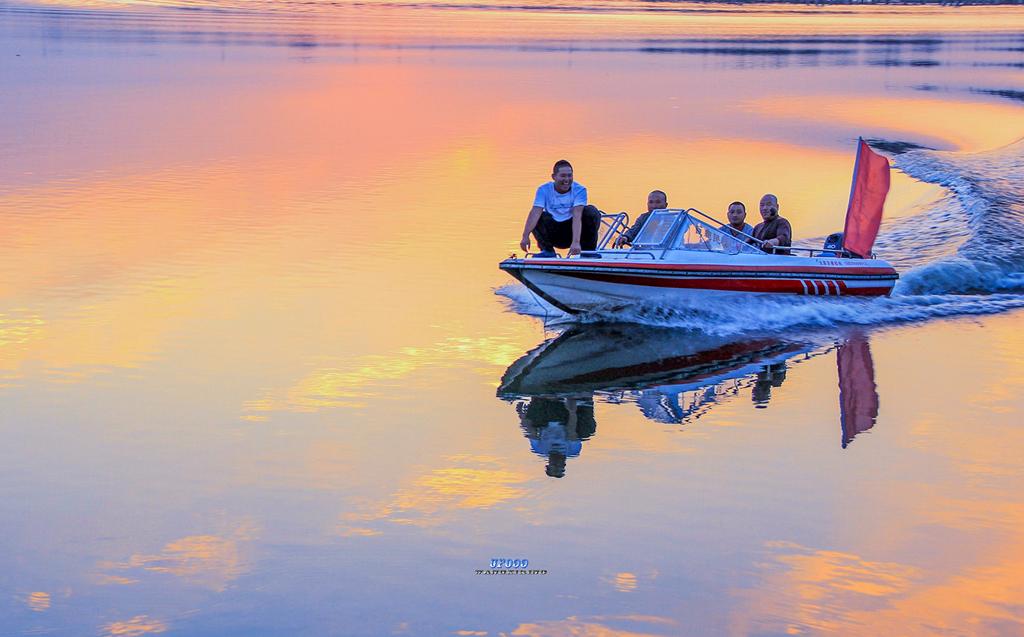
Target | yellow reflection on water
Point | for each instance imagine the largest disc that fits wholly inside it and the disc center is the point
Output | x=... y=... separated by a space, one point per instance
x=625 y=582
x=134 y=627
x=812 y=590
x=469 y=482
x=991 y=126
x=210 y=561
x=461 y=488
x=351 y=386
x=18 y=330
x=596 y=627
x=104 y=579
x=38 y=601
x=807 y=591
x=424 y=19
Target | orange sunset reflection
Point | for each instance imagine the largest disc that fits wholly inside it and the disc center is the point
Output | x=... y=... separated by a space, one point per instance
x=134 y=627
x=973 y=548
x=807 y=591
x=209 y=561
x=919 y=118
x=600 y=626
x=424 y=19
x=432 y=498
x=261 y=372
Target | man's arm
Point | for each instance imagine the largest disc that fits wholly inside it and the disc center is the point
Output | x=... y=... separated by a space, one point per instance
x=627 y=237
x=531 y=223
x=783 y=236
x=571 y=425
x=577 y=230
x=785 y=233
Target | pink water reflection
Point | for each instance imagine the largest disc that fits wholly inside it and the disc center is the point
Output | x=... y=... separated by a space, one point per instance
x=249 y=344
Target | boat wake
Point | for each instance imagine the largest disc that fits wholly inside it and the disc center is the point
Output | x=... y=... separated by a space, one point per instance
x=963 y=256
x=736 y=316
x=981 y=220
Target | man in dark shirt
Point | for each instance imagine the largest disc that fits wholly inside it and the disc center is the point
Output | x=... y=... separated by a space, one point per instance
x=657 y=200
x=774 y=231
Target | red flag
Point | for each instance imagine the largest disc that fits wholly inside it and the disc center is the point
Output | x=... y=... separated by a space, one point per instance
x=867 y=198
x=858 y=397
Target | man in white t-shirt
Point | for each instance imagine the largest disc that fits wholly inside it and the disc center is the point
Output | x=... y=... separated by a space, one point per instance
x=561 y=217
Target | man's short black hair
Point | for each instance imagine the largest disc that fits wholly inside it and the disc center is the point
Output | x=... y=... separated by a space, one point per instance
x=559 y=164
x=738 y=203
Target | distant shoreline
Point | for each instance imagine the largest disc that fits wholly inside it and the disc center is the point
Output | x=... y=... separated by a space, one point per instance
x=561 y=5
x=825 y=3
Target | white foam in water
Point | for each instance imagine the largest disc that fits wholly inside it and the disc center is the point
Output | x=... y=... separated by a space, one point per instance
x=740 y=315
x=953 y=275
x=985 y=213
x=523 y=301
x=757 y=313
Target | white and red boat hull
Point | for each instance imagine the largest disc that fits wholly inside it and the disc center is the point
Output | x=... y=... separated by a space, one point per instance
x=583 y=284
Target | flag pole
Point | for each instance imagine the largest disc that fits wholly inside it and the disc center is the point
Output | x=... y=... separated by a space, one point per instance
x=853 y=189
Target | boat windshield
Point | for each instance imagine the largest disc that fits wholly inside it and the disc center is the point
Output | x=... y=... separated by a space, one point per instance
x=657 y=229
x=679 y=230
x=697 y=235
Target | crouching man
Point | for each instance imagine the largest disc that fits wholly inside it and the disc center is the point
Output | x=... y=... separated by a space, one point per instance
x=560 y=217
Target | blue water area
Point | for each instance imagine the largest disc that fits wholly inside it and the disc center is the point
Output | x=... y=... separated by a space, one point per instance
x=261 y=375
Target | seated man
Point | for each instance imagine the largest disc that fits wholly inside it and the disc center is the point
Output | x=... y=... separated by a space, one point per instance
x=774 y=231
x=560 y=217
x=737 y=227
x=657 y=200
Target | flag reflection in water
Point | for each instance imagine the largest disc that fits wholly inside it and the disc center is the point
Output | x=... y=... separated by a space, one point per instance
x=858 y=397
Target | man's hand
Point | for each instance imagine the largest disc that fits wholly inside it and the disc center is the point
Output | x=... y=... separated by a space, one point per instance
x=621 y=241
x=525 y=243
x=575 y=249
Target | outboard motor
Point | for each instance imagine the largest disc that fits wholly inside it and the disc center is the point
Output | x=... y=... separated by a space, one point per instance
x=833 y=245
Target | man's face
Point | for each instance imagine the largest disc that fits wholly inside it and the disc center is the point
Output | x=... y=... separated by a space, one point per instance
x=736 y=215
x=656 y=201
x=769 y=207
x=562 y=178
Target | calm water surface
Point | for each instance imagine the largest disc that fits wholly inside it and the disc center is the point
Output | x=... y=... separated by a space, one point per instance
x=260 y=375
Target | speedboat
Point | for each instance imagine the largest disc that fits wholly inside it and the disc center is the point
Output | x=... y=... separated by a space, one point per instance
x=685 y=257
x=682 y=257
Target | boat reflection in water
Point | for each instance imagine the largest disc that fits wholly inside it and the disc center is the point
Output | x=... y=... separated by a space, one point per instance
x=674 y=376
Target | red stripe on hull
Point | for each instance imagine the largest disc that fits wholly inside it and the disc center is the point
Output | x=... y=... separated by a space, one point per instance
x=777 y=286
x=695 y=267
x=733 y=285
